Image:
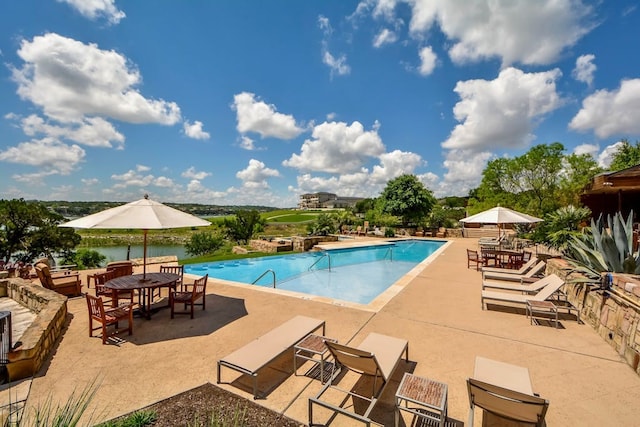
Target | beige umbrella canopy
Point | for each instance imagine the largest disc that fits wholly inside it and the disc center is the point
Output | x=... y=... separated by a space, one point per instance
x=143 y=214
x=500 y=215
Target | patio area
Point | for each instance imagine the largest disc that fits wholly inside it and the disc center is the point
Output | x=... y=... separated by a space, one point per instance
x=438 y=312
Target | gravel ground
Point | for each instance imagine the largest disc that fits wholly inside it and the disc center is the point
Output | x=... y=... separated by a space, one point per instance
x=195 y=407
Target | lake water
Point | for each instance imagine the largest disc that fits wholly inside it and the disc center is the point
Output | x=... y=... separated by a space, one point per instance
x=118 y=253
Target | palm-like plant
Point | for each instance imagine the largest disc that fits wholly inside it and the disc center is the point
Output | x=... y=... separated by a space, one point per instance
x=563 y=224
x=605 y=249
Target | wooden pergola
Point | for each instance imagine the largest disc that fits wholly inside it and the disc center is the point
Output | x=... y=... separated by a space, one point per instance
x=612 y=192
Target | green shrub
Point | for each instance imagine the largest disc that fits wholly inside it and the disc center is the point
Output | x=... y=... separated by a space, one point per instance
x=203 y=243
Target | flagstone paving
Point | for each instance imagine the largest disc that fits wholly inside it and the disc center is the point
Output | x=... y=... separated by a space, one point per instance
x=438 y=312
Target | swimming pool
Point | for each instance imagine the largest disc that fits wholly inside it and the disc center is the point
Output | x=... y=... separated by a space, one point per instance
x=356 y=275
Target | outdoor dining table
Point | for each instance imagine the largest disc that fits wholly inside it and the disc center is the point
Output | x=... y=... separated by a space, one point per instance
x=145 y=284
x=506 y=258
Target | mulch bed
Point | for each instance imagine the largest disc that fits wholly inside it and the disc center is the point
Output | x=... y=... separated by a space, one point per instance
x=196 y=407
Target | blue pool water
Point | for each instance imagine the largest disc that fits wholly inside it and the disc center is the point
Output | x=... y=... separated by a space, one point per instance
x=357 y=275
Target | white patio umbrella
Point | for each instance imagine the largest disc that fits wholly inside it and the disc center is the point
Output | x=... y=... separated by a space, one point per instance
x=143 y=214
x=500 y=215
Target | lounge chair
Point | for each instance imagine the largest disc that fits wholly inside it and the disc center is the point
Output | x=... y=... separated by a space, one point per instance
x=65 y=284
x=530 y=274
x=522 y=270
x=505 y=404
x=260 y=352
x=377 y=356
x=543 y=294
x=528 y=288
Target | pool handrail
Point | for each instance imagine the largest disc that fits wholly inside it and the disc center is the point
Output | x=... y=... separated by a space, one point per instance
x=319 y=259
x=264 y=274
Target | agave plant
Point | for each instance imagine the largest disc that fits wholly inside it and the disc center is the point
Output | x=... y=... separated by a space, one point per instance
x=605 y=249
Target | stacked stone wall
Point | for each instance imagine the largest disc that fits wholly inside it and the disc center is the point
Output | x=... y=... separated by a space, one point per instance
x=38 y=340
x=614 y=314
x=303 y=244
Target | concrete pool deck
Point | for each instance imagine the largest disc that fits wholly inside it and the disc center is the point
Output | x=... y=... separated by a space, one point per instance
x=438 y=311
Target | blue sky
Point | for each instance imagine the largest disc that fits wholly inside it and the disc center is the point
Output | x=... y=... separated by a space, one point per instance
x=254 y=102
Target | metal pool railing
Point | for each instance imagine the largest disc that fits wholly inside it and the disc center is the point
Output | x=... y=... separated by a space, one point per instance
x=264 y=274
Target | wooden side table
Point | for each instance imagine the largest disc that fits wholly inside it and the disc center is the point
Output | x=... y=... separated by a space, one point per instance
x=542 y=310
x=312 y=348
x=428 y=397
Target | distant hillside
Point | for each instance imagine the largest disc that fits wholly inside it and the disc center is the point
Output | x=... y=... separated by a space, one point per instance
x=78 y=209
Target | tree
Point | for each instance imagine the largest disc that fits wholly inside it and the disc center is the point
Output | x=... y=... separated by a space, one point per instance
x=578 y=171
x=540 y=181
x=626 y=155
x=406 y=197
x=364 y=205
x=323 y=225
x=203 y=243
x=29 y=230
x=244 y=225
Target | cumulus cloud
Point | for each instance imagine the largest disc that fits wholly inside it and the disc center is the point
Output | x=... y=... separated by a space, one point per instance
x=254 y=115
x=585 y=68
x=91 y=131
x=592 y=149
x=133 y=178
x=50 y=155
x=338 y=65
x=191 y=173
x=194 y=130
x=428 y=60
x=164 y=182
x=514 y=31
x=606 y=156
x=71 y=81
x=384 y=37
x=611 y=112
x=502 y=112
x=394 y=164
x=246 y=143
x=464 y=171
x=255 y=175
x=336 y=147
x=90 y=181
x=97 y=9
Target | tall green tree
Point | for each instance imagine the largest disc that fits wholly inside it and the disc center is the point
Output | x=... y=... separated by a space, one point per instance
x=626 y=155
x=578 y=171
x=407 y=198
x=244 y=225
x=29 y=230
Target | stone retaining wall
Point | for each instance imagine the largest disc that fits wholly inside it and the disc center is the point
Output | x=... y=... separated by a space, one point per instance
x=613 y=314
x=38 y=339
x=303 y=244
x=273 y=246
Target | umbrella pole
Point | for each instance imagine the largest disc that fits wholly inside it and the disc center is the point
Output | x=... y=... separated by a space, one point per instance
x=144 y=256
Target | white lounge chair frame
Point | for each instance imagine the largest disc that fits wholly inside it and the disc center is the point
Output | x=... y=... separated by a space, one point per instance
x=378 y=356
x=503 y=275
x=527 y=288
x=263 y=350
x=543 y=294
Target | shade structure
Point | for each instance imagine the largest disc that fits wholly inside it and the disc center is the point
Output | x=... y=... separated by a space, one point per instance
x=142 y=214
x=500 y=215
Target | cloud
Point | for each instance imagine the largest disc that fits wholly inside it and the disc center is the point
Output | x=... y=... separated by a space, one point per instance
x=246 y=143
x=533 y=33
x=585 y=68
x=133 y=178
x=502 y=112
x=164 y=182
x=90 y=181
x=336 y=147
x=50 y=155
x=194 y=130
x=337 y=65
x=394 y=164
x=191 y=173
x=581 y=149
x=428 y=61
x=609 y=113
x=254 y=115
x=384 y=37
x=606 y=156
x=72 y=81
x=91 y=131
x=96 y=9
x=255 y=174
x=464 y=172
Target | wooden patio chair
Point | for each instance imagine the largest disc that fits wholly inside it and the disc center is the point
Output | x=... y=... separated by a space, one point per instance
x=101 y=291
x=198 y=289
x=474 y=260
x=174 y=269
x=108 y=317
x=65 y=284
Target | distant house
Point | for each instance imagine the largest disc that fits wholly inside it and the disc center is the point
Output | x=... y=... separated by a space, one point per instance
x=323 y=200
x=612 y=192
